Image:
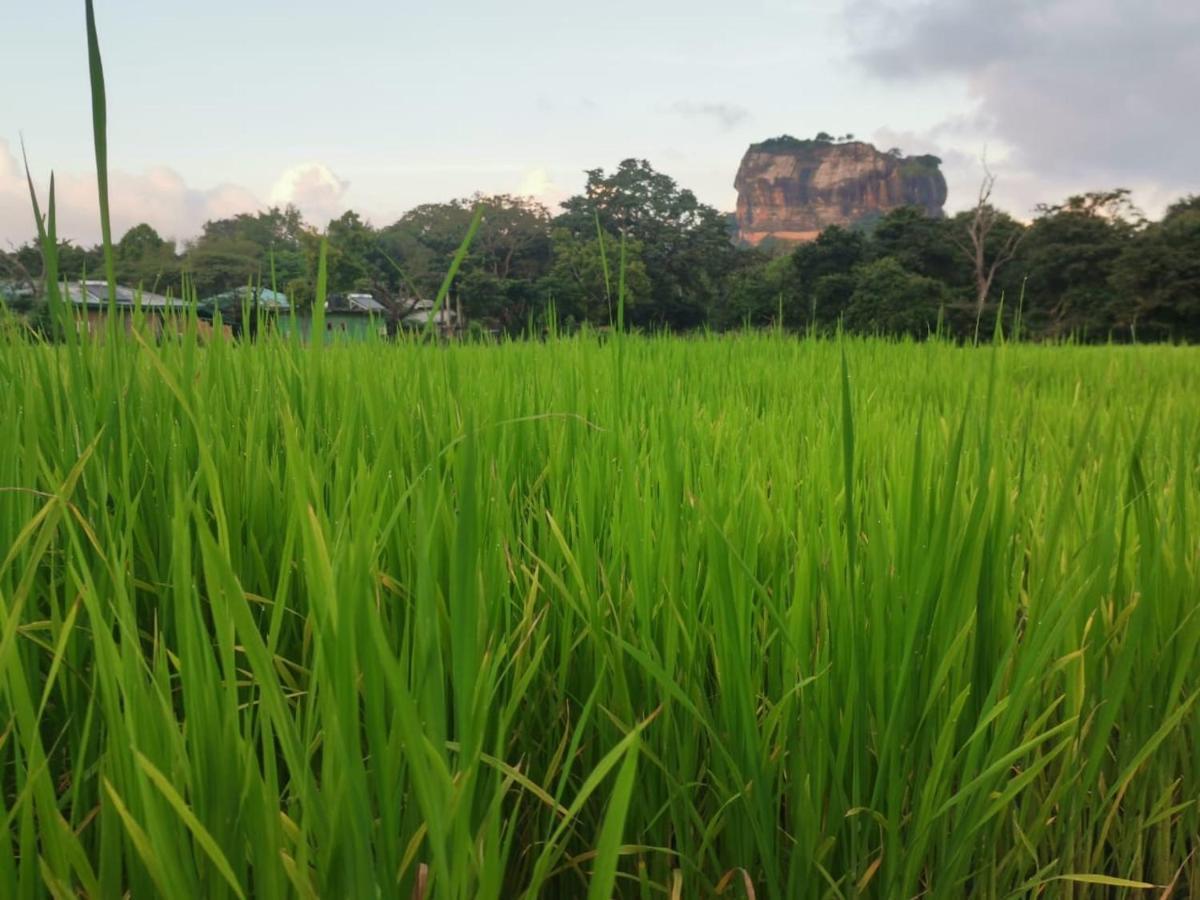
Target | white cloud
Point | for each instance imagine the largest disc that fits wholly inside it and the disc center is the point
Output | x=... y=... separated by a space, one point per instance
x=159 y=196
x=314 y=189
x=540 y=185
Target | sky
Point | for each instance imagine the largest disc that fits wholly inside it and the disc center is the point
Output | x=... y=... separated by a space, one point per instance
x=229 y=106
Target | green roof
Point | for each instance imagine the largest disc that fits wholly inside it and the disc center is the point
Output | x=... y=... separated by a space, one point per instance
x=231 y=300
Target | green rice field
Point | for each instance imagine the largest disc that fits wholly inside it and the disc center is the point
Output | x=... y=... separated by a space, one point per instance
x=644 y=617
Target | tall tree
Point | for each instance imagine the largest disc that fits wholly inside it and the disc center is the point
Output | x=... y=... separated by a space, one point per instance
x=582 y=282
x=1069 y=258
x=888 y=299
x=510 y=251
x=1157 y=277
x=144 y=259
x=232 y=252
x=824 y=277
x=686 y=245
x=988 y=238
x=920 y=242
x=15 y=272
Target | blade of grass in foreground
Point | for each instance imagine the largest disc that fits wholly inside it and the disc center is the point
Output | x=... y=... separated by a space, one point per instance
x=608 y=847
x=48 y=242
x=100 y=142
x=316 y=332
x=459 y=256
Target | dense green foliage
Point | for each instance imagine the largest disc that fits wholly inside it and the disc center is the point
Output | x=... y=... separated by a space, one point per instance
x=1092 y=267
x=785 y=143
x=299 y=621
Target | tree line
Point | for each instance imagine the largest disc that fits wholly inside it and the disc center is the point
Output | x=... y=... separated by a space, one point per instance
x=1092 y=267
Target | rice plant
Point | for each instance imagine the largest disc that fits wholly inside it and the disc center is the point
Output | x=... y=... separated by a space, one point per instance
x=746 y=616
x=326 y=621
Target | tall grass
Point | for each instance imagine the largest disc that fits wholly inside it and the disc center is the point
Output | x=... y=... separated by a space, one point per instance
x=646 y=618
x=288 y=621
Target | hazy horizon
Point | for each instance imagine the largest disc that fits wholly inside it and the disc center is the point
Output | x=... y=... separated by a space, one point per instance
x=219 y=109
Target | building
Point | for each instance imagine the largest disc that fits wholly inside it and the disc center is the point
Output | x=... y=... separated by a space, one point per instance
x=245 y=309
x=355 y=316
x=419 y=317
x=90 y=302
x=16 y=293
x=347 y=317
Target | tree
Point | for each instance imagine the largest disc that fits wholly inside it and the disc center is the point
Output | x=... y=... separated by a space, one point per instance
x=513 y=240
x=439 y=227
x=280 y=228
x=140 y=240
x=833 y=255
x=889 y=299
x=1069 y=259
x=144 y=259
x=921 y=243
x=1114 y=206
x=75 y=262
x=989 y=240
x=263 y=246
x=756 y=291
x=24 y=264
x=510 y=252
x=583 y=280
x=14 y=271
x=360 y=258
x=686 y=245
x=216 y=265
x=831 y=298
x=352 y=259
x=411 y=267
x=1186 y=206
x=1157 y=277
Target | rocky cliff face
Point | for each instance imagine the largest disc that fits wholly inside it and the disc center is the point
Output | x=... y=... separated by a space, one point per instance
x=791 y=190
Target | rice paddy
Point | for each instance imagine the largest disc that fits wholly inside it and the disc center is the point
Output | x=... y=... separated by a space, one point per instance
x=641 y=617
x=646 y=617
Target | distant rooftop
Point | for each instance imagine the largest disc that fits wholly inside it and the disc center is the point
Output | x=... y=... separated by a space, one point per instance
x=355 y=303
x=267 y=299
x=94 y=294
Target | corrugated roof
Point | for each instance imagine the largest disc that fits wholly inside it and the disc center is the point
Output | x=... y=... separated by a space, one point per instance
x=422 y=316
x=355 y=303
x=94 y=294
x=228 y=300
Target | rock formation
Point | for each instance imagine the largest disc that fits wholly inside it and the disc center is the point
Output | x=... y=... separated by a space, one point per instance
x=790 y=190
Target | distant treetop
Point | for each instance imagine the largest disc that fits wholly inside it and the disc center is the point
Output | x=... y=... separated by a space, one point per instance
x=786 y=142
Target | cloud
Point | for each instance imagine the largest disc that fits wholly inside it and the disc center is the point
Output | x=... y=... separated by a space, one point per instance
x=725 y=115
x=1078 y=94
x=962 y=169
x=314 y=189
x=541 y=186
x=158 y=195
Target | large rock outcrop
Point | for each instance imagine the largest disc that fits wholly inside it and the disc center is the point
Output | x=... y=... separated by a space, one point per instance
x=790 y=190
